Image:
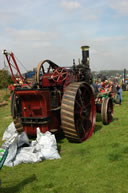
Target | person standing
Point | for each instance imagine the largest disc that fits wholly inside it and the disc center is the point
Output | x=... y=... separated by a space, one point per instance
x=119 y=94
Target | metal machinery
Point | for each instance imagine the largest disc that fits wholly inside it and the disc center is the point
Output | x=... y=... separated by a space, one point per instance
x=61 y=99
x=104 y=105
x=106 y=96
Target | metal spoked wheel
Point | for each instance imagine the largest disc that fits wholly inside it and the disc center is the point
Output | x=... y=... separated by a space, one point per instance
x=78 y=111
x=59 y=75
x=107 y=111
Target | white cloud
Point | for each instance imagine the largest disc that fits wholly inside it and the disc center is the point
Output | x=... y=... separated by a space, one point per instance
x=110 y=39
x=30 y=35
x=121 y=6
x=7 y=17
x=91 y=14
x=70 y=5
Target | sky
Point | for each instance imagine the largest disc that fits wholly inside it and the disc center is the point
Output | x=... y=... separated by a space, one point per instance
x=35 y=30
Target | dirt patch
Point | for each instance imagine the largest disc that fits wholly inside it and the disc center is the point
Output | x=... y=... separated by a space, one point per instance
x=3 y=103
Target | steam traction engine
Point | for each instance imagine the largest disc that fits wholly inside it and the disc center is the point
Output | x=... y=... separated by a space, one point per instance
x=61 y=99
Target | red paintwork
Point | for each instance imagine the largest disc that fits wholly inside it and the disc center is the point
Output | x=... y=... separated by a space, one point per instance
x=47 y=81
x=37 y=103
x=13 y=66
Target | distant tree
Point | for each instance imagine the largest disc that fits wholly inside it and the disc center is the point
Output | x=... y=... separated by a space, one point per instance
x=5 y=79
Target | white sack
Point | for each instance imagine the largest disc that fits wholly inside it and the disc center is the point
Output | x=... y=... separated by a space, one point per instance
x=11 y=153
x=44 y=147
x=27 y=155
x=9 y=132
x=48 y=143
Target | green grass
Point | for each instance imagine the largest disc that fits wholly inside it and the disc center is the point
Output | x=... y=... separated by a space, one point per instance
x=99 y=165
x=4 y=95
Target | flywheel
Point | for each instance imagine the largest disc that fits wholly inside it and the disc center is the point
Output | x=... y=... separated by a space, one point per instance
x=78 y=111
x=107 y=111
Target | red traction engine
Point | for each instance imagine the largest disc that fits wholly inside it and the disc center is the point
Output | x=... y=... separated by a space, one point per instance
x=60 y=100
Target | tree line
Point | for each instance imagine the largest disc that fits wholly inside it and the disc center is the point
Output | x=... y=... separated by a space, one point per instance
x=5 y=79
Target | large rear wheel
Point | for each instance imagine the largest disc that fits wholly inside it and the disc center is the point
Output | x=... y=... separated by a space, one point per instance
x=78 y=111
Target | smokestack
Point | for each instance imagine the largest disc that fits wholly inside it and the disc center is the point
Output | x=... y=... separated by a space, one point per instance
x=85 y=56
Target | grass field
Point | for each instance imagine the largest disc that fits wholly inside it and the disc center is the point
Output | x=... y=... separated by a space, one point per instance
x=4 y=95
x=99 y=165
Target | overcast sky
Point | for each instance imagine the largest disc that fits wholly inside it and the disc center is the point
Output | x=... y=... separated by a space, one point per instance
x=35 y=30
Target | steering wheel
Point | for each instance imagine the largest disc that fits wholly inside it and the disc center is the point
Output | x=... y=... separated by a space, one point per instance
x=59 y=75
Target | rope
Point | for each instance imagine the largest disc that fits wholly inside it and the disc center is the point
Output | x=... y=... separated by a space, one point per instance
x=21 y=64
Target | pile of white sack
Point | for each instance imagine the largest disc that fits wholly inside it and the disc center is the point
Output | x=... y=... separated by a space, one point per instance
x=22 y=151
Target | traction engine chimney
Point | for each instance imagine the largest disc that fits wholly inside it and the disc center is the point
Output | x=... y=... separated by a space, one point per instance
x=85 y=56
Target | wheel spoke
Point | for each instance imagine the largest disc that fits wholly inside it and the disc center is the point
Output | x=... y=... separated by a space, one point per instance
x=78 y=103
x=55 y=76
x=58 y=78
x=59 y=75
x=80 y=98
x=64 y=73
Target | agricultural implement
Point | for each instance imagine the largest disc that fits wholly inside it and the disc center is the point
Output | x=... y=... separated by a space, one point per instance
x=60 y=100
x=105 y=99
x=104 y=105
